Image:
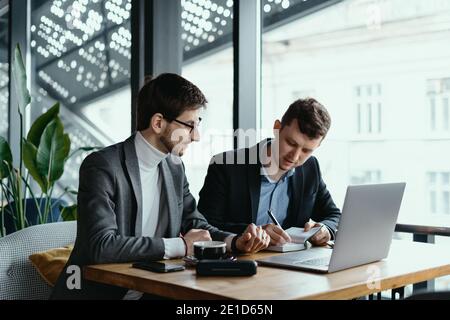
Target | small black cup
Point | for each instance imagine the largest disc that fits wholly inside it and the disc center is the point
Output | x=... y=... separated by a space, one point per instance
x=209 y=250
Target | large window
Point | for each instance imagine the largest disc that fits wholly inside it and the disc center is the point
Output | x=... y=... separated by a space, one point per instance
x=386 y=91
x=208 y=62
x=81 y=53
x=4 y=68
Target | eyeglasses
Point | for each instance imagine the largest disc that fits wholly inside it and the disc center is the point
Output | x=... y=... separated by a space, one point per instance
x=188 y=124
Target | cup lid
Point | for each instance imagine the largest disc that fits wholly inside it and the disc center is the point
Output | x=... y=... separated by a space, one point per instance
x=210 y=244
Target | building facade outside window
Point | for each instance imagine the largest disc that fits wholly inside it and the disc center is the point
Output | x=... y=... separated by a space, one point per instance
x=369 y=109
x=366 y=177
x=439 y=192
x=438 y=92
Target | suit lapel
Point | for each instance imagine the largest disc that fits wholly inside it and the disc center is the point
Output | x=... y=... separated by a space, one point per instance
x=297 y=195
x=132 y=166
x=169 y=200
x=254 y=184
x=254 y=179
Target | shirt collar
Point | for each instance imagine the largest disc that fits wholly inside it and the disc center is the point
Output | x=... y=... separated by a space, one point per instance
x=148 y=156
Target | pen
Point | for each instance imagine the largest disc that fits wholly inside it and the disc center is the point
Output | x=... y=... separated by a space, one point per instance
x=275 y=221
x=273 y=217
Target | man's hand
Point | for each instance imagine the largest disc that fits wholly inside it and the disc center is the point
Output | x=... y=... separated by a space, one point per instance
x=253 y=239
x=320 y=238
x=277 y=235
x=195 y=235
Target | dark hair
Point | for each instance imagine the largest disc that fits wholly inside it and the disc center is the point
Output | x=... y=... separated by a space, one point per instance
x=313 y=119
x=168 y=94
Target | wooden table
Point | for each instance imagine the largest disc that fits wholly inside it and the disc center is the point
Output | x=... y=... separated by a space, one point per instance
x=408 y=263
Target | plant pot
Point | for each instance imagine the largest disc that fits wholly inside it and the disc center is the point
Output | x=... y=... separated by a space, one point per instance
x=32 y=213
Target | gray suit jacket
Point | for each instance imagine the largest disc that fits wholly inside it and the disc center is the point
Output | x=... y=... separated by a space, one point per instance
x=110 y=217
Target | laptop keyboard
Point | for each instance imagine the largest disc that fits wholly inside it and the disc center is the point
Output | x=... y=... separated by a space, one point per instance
x=316 y=262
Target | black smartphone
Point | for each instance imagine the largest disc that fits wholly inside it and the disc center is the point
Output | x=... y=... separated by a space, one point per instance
x=158 y=266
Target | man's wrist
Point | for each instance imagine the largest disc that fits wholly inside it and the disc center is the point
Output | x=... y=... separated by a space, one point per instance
x=234 y=248
x=330 y=231
x=185 y=246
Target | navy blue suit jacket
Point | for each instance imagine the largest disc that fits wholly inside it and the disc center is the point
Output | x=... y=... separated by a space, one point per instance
x=229 y=198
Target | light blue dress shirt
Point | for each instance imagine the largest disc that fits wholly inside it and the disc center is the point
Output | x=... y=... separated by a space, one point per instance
x=274 y=195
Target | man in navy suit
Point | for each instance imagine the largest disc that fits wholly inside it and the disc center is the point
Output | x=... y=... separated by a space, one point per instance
x=279 y=175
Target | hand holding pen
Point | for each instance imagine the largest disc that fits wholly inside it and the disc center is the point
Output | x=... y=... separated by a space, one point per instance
x=277 y=235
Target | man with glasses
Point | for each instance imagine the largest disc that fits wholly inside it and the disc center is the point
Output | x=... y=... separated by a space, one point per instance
x=191 y=125
x=134 y=202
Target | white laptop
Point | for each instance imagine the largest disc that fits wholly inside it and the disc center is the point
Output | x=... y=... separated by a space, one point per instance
x=364 y=234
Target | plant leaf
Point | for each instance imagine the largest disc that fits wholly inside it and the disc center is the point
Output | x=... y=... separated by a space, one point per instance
x=69 y=213
x=20 y=80
x=5 y=158
x=84 y=149
x=39 y=125
x=68 y=190
x=29 y=159
x=53 y=151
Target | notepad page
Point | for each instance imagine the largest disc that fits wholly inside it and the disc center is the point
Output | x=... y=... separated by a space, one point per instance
x=298 y=235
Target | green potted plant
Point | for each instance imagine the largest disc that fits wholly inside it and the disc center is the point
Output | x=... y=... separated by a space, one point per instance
x=43 y=152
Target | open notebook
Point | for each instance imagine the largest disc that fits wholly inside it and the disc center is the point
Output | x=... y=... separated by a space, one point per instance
x=299 y=238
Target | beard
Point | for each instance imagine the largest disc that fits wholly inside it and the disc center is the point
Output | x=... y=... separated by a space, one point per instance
x=174 y=143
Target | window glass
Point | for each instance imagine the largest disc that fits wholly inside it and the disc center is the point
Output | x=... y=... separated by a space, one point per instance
x=81 y=53
x=207 y=29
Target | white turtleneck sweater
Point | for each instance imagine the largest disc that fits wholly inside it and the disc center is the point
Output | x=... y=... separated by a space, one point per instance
x=149 y=159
